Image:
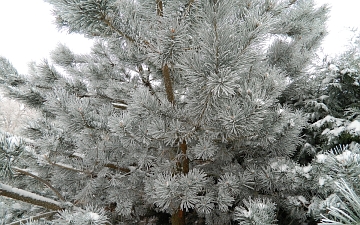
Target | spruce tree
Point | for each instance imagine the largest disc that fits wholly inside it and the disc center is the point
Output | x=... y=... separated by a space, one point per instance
x=176 y=116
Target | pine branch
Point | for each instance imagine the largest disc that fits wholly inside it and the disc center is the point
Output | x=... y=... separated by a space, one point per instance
x=203 y=110
x=66 y=167
x=116 y=103
x=41 y=180
x=147 y=83
x=168 y=84
x=113 y=166
x=189 y=6
x=108 y=165
x=119 y=105
x=292 y=2
x=32 y=218
x=25 y=196
x=165 y=69
x=159 y=8
x=107 y=21
x=177 y=218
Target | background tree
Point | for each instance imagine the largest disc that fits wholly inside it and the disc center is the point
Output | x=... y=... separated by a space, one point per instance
x=176 y=115
x=14 y=115
x=330 y=101
x=329 y=98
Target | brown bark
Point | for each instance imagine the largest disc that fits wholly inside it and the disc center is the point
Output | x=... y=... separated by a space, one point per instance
x=165 y=68
x=159 y=7
x=184 y=158
x=168 y=84
x=178 y=218
x=113 y=166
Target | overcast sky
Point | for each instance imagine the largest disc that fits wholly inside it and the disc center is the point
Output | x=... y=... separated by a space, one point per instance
x=27 y=32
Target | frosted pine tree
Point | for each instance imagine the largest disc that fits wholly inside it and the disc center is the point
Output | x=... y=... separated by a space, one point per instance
x=174 y=117
x=330 y=101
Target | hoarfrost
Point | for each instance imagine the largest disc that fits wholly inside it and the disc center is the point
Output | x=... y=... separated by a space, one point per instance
x=94 y=216
x=321 y=181
x=354 y=126
x=306 y=169
x=302 y=199
x=344 y=157
x=321 y=158
x=335 y=132
x=328 y=119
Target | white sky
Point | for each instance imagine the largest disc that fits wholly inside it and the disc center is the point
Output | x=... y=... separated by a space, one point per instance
x=28 y=33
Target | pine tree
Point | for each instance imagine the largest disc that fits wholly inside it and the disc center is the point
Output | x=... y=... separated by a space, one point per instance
x=335 y=183
x=331 y=103
x=176 y=114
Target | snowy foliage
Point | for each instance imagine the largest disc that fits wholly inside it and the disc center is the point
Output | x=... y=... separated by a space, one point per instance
x=345 y=208
x=258 y=212
x=180 y=110
x=335 y=174
x=331 y=102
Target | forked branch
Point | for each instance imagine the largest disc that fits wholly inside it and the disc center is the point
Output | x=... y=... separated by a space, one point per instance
x=41 y=180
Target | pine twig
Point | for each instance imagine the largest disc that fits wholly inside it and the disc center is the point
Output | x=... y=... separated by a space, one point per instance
x=44 y=215
x=41 y=180
x=113 y=166
x=66 y=167
x=159 y=8
x=107 y=22
x=105 y=19
x=108 y=165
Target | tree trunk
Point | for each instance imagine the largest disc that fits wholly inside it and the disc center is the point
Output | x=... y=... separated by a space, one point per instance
x=184 y=158
x=168 y=84
x=178 y=218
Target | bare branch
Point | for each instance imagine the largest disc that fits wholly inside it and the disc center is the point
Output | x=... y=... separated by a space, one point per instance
x=108 y=165
x=119 y=105
x=25 y=196
x=41 y=180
